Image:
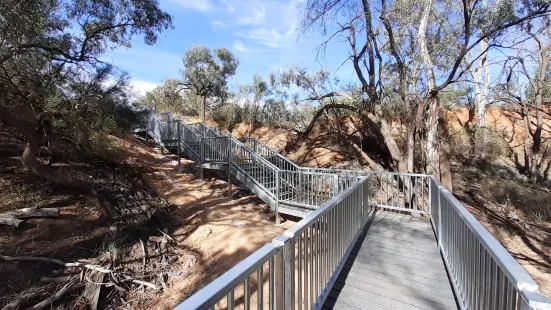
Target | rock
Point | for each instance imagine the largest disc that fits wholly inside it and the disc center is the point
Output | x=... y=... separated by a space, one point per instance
x=204 y=232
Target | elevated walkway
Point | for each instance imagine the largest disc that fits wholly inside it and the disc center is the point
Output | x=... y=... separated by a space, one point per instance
x=367 y=240
x=396 y=264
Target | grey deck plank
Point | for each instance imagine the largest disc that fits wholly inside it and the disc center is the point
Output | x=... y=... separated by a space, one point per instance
x=396 y=265
x=396 y=291
x=396 y=283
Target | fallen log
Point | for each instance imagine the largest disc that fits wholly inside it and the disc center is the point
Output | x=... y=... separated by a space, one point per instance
x=10 y=222
x=16 y=217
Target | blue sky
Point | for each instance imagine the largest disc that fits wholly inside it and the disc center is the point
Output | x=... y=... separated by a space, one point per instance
x=263 y=34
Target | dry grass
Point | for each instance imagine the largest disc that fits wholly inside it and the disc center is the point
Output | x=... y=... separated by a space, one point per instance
x=515 y=212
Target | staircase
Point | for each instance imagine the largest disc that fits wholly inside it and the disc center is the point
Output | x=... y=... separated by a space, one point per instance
x=283 y=185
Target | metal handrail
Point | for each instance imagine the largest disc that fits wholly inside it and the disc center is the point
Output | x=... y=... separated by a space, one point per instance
x=211 y=294
x=481 y=269
x=304 y=242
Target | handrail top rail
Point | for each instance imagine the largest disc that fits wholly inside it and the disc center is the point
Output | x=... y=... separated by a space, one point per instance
x=214 y=138
x=369 y=172
x=201 y=124
x=209 y=295
x=509 y=265
x=324 y=174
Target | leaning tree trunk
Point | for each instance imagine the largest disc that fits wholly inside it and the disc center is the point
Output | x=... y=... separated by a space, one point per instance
x=29 y=157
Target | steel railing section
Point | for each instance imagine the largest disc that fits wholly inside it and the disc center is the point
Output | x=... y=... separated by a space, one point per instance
x=309 y=189
x=215 y=149
x=400 y=191
x=270 y=154
x=205 y=130
x=483 y=274
x=190 y=139
x=295 y=270
x=260 y=171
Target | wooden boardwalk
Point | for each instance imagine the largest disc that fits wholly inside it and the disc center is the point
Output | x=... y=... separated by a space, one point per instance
x=396 y=265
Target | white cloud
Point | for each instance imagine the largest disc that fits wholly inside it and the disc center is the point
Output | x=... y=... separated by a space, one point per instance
x=199 y=5
x=253 y=15
x=267 y=22
x=218 y=24
x=141 y=87
x=268 y=37
x=238 y=46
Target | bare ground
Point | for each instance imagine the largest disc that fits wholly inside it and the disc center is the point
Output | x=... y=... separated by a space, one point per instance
x=204 y=233
x=218 y=231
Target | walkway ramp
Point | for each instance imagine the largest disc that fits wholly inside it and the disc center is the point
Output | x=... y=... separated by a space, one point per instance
x=367 y=240
x=395 y=265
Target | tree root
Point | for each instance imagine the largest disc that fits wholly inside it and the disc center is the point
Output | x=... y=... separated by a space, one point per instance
x=92 y=280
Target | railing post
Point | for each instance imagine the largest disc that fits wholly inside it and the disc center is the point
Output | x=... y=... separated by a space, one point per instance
x=335 y=185
x=179 y=146
x=284 y=270
x=229 y=146
x=277 y=197
x=439 y=237
x=202 y=155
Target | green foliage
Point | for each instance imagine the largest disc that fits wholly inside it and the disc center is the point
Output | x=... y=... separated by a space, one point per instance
x=227 y=116
x=206 y=72
x=479 y=143
x=55 y=90
x=170 y=97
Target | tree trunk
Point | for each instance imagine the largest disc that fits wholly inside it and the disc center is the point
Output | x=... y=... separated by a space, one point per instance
x=536 y=156
x=29 y=160
x=432 y=145
x=372 y=164
x=411 y=149
x=527 y=141
x=445 y=152
x=204 y=109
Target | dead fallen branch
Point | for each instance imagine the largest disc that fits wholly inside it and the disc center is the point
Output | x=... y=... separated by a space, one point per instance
x=57 y=296
x=91 y=279
x=16 y=217
x=55 y=261
x=144 y=283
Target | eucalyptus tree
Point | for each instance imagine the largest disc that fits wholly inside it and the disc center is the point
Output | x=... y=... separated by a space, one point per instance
x=206 y=72
x=313 y=87
x=168 y=97
x=438 y=34
x=53 y=83
x=526 y=85
x=252 y=99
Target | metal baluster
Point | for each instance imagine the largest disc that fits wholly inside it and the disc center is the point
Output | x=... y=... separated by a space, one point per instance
x=247 y=294
x=300 y=276
x=231 y=301
x=271 y=287
x=260 y=289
